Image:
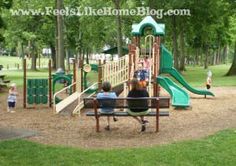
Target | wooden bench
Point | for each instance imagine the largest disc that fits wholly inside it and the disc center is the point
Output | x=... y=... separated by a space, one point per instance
x=154 y=104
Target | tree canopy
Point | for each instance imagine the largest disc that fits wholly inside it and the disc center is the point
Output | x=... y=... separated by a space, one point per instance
x=205 y=37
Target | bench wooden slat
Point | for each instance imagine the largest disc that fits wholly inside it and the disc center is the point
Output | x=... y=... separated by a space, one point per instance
x=164 y=102
x=127 y=102
x=152 y=113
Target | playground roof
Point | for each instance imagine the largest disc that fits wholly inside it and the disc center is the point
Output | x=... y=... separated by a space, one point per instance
x=158 y=29
x=114 y=50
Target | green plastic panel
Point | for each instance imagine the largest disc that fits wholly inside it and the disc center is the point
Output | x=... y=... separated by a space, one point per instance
x=94 y=67
x=44 y=99
x=30 y=92
x=30 y=99
x=148 y=21
x=166 y=60
x=37 y=91
x=45 y=83
x=37 y=99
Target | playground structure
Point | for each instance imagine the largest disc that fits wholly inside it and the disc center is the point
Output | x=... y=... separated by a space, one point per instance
x=115 y=72
x=38 y=90
x=162 y=61
x=122 y=71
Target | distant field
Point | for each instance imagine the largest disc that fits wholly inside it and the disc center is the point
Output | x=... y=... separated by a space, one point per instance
x=195 y=76
x=13 y=62
x=16 y=76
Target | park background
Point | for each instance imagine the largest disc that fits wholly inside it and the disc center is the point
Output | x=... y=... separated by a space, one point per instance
x=204 y=41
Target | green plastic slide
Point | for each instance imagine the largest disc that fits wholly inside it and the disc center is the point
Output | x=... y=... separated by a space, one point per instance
x=180 y=97
x=174 y=73
x=166 y=66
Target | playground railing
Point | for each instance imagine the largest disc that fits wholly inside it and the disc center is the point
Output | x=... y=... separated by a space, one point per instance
x=60 y=91
x=80 y=99
x=116 y=72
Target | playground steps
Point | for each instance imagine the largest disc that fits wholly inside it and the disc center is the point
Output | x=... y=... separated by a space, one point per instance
x=66 y=102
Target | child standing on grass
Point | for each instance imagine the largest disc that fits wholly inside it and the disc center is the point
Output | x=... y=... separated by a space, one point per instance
x=208 y=81
x=12 y=98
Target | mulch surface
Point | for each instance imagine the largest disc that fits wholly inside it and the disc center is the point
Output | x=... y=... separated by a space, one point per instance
x=206 y=117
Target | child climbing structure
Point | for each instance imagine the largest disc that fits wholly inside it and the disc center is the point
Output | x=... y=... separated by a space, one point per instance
x=162 y=63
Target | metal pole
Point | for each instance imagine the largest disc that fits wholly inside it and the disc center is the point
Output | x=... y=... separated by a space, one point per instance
x=50 y=83
x=82 y=75
x=99 y=75
x=158 y=62
x=24 y=89
x=74 y=75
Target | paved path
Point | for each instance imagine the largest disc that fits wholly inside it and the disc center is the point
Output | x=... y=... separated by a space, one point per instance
x=7 y=133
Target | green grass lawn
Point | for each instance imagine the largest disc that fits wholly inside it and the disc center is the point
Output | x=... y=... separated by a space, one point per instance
x=219 y=149
x=11 y=62
x=16 y=76
x=195 y=76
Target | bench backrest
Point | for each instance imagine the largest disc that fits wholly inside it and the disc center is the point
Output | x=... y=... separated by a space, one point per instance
x=126 y=102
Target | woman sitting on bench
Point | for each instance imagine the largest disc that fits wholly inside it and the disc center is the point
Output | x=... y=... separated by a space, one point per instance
x=138 y=107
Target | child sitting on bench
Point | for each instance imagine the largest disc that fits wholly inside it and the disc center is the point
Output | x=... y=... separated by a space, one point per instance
x=109 y=103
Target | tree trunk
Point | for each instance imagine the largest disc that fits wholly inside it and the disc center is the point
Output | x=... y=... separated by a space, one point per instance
x=34 y=61
x=53 y=56
x=218 y=56
x=67 y=60
x=232 y=70
x=214 y=57
x=175 y=43
x=60 y=37
x=196 y=61
x=87 y=56
x=18 y=50
x=32 y=52
x=22 y=54
x=225 y=54
x=182 y=51
x=119 y=32
x=38 y=60
x=206 y=58
x=55 y=59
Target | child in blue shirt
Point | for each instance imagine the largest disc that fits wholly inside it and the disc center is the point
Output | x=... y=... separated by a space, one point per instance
x=12 y=98
x=109 y=103
x=141 y=75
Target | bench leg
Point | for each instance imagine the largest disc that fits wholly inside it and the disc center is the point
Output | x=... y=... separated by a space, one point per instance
x=97 y=124
x=96 y=114
x=157 y=116
x=157 y=123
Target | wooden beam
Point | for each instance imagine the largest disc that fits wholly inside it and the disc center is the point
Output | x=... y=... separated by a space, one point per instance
x=50 y=83
x=24 y=83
